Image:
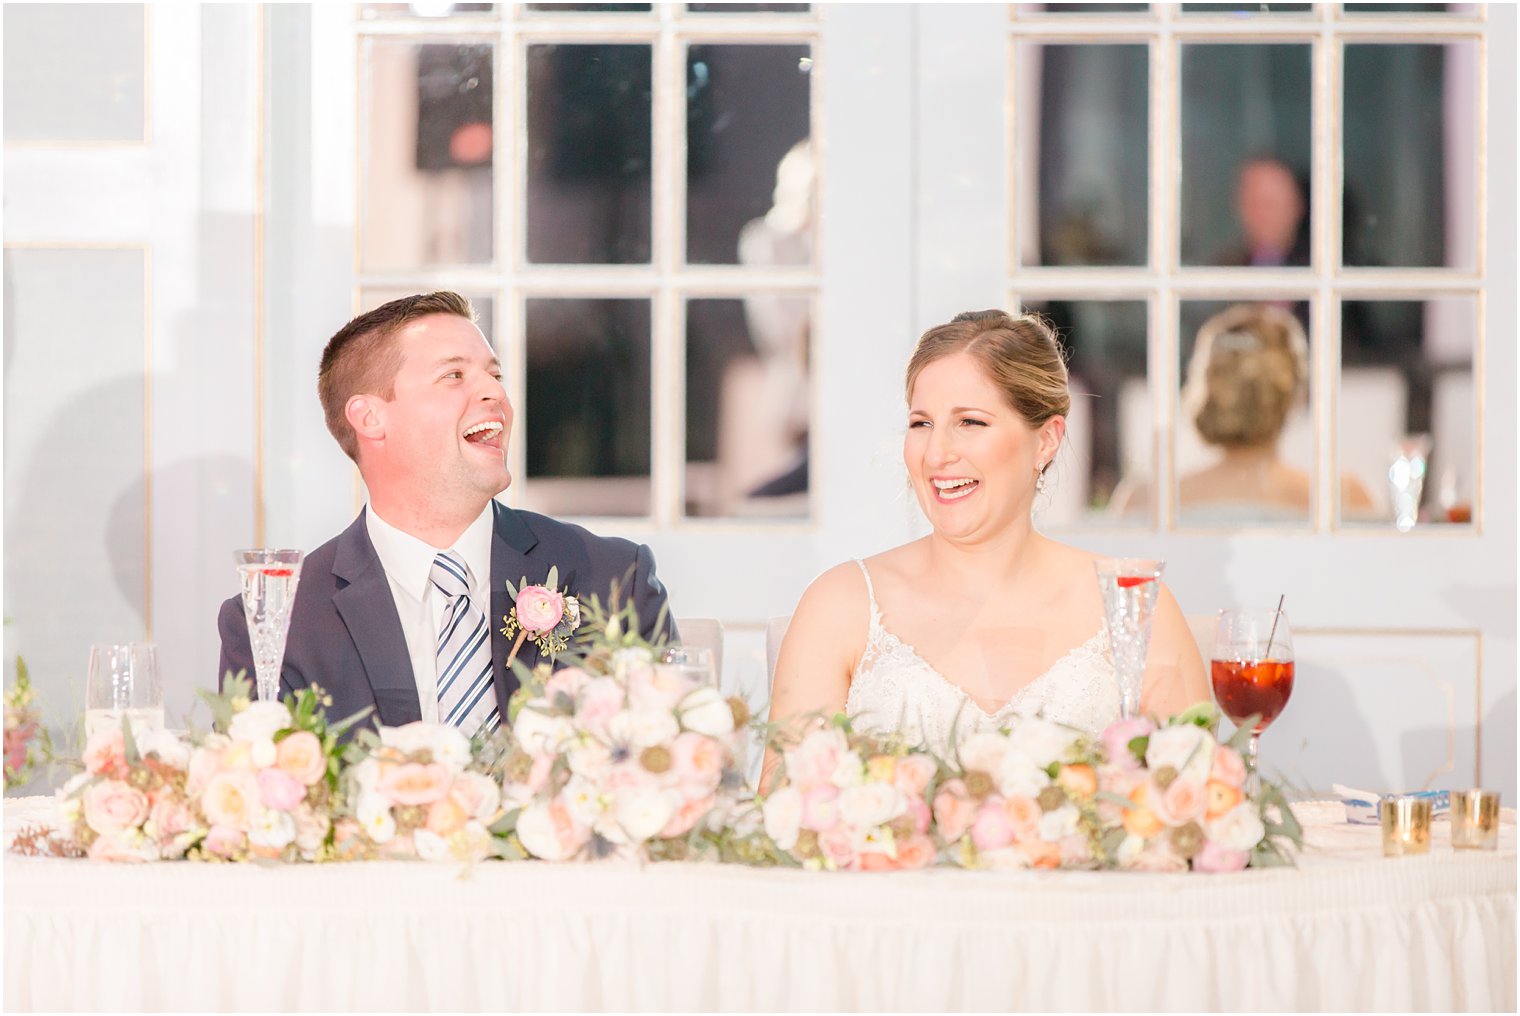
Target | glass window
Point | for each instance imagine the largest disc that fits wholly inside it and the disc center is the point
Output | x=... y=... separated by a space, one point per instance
x=75 y=72
x=589 y=153
x=424 y=10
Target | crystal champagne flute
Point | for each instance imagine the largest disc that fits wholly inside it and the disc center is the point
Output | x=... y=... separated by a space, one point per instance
x=1129 y=587
x=269 y=581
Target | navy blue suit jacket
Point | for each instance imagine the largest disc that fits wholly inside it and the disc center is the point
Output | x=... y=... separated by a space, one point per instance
x=345 y=634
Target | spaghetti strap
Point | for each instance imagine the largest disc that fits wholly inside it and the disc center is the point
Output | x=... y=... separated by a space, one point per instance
x=870 y=590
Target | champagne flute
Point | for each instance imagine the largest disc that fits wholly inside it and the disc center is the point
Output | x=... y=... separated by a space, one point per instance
x=1129 y=587
x=123 y=681
x=269 y=580
x=1252 y=671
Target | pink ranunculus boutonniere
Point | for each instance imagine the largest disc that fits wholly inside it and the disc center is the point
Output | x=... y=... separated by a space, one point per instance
x=543 y=614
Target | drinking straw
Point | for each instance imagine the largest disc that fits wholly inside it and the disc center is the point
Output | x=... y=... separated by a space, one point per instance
x=1273 y=633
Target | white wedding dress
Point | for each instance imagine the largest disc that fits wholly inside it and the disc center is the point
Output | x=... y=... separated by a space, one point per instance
x=895 y=689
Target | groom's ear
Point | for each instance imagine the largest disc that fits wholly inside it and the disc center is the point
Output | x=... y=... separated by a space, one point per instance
x=365 y=414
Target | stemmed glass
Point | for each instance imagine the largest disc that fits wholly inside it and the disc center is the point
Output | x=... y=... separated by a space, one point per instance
x=694 y=662
x=1252 y=671
x=1129 y=586
x=269 y=579
x=123 y=681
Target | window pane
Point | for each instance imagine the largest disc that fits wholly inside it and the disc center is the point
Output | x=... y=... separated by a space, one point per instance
x=588 y=8
x=427 y=155
x=485 y=306
x=1245 y=154
x=75 y=72
x=748 y=8
x=747 y=399
x=1407 y=410
x=1397 y=8
x=1246 y=8
x=1094 y=8
x=427 y=11
x=749 y=168
x=1085 y=171
x=1411 y=138
x=587 y=409
x=1244 y=442
x=588 y=154
x=1102 y=474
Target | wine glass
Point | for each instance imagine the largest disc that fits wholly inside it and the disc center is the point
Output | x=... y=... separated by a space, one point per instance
x=1129 y=587
x=123 y=681
x=269 y=580
x=694 y=662
x=1252 y=670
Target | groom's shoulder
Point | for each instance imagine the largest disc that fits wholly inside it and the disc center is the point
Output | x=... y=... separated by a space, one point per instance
x=556 y=534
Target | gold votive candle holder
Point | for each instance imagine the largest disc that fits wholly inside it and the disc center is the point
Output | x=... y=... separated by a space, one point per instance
x=1406 y=826
x=1475 y=819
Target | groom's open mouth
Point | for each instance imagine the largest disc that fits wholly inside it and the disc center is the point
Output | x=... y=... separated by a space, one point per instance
x=487 y=432
x=954 y=490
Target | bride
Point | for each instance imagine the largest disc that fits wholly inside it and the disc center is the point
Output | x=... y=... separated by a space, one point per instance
x=984 y=618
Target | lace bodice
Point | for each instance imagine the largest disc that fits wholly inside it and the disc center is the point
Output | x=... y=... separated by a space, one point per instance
x=894 y=688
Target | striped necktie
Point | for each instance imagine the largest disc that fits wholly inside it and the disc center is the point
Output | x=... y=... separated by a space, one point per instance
x=466 y=693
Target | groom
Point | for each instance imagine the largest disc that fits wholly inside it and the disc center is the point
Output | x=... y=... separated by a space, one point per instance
x=403 y=610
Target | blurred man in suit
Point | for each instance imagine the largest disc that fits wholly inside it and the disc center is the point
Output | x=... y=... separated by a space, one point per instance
x=403 y=610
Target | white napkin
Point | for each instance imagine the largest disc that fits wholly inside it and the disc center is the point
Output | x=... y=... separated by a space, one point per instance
x=1362 y=805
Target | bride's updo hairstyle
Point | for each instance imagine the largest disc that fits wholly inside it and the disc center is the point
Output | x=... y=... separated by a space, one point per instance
x=1020 y=355
x=1249 y=367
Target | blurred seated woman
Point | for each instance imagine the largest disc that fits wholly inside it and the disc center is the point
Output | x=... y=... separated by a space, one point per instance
x=985 y=618
x=1250 y=367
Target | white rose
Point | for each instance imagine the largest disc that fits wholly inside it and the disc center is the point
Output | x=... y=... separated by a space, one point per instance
x=1020 y=777
x=607 y=827
x=259 y=722
x=1055 y=825
x=871 y=805
x=215 y=742
x=1187 y=748
x=706 y=712
x=274 y=830
x=264 y=753
x=589 y=758
x=582 y=800
x=535 y=828
x=429 y=845
x=446 y=743
x=67 y=803
x=374 y=815
x=540 y=733
x=365 y=775
x=984 y=751
x=644 y=813
x=473 y=842
x=1129 y=849
x=1239 y=828
x=783 y=817
x=849 y=771
x=1041 y=741
x=169 y=748
x=644 y=728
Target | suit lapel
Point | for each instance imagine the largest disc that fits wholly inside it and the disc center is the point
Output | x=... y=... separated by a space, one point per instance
x=512 y=561
x=368 y=609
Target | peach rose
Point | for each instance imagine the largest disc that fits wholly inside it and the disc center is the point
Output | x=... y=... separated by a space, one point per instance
x=686 y=816
x=445 y=817
x=1222 y=798
x=916 y=852
x=913 y=775
x=881 y=768
x=300 y=755
x=1182 y=802
x=106 y=754
x=873 y=860
x=112 y=806
x=992 y=828
x=414 y=783
x=1040 y=853
x=539 y=609
x=231 y=799
x=237 y=755
x=953 y=811
x=1078 y=780
x=1140 y=820
x=1023 y=815
x=696 y=761
x=477 y=794
x=1229 y=768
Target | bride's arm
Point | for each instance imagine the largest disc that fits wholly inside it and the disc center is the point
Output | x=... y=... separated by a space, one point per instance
x=1174 y=676
x=823 y=641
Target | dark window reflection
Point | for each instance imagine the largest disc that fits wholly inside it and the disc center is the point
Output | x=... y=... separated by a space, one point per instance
x=1093 y=154
x=1095 y=8
x=747 y=399
x=749 y=173
x=1397 y=8
x=1245 y=154
x=1245 y=8
x=748 y=8
x=588 y=154
x=587 y=409
x=1104 y=467
x=1411 y=150
x=590 y=8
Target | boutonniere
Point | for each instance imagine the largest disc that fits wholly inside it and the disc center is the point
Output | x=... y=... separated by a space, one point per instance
x=541 y=613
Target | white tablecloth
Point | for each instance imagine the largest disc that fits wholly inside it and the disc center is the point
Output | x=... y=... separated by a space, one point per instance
x=1345 y=930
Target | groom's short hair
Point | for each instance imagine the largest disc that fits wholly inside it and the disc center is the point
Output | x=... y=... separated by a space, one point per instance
x=362 y=358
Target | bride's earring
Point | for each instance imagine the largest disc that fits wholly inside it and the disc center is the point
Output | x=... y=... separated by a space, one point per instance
x=1039 y=483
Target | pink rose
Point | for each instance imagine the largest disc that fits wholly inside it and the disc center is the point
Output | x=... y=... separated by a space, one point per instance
x=414 y=783
x=300 y=755
x=601 y=699
x=1213 y=857
x=919 y=812
x=838 y=845
x=686 y=816
x=477 y=794
x=991 y=829
x=696 y=761
x=913 y=774
x=203 y=765
x=106 y=754
x=539 y=609
x=1119 y=734
x=112 y=847
x=171 y=816
x=231 y=799
x=112 y=806
x=953 y=811
x=1229 y=768
x=660 y=688
x=1181 y=803
x=280 y=790
x=1075 y=850
x=1023 y=815
x=565 y=681
x=820 y=808
x=815 y=759
x=225 y=841
x=916 y=852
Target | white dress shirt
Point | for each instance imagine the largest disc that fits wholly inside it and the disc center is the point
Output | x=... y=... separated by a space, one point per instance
x=408 y=564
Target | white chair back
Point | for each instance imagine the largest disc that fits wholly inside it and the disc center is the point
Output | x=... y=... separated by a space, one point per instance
x=775 y=634
x=704 y=633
